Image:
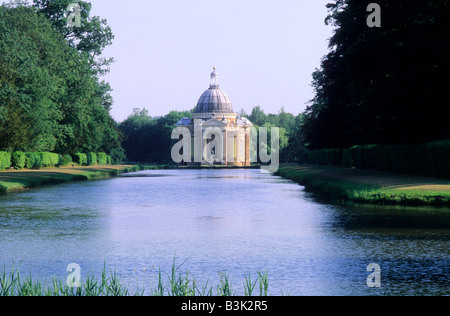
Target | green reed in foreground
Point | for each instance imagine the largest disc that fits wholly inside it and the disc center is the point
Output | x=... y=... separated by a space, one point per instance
x=178 y=284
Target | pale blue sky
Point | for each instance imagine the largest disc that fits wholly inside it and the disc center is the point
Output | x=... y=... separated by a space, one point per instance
x=265 y=52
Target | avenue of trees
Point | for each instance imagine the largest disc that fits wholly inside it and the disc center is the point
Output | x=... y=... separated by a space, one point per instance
x=377 y=86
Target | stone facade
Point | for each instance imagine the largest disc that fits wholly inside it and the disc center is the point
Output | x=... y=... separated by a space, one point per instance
x=219 y=135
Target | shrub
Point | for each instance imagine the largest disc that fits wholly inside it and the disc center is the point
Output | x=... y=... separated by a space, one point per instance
x=30 y=160
x=65 y=160
x=347 y=158
x=430 y=159
x=49 y=159
x=18 y=160
x=54 y=159
x=5 y=160
x=45 y=159
x=91 y=159
x=37 y=160
x=81 y=159
x=102 y=159
x=117 y=156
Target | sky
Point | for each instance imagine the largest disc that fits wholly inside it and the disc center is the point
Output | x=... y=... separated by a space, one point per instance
x=265 y=52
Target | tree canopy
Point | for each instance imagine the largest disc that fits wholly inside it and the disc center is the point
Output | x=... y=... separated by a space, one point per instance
x=382 y=85
x=147 y=138
x=51 y=97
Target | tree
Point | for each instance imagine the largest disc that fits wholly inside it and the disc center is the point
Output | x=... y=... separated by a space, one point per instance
x=295 y=150
x=148 y=139
x=286 y=121
x=30 y=54
x=90 y=38
x=258 y=116
x=50 y=96
x=288 y=125
x=381 y=85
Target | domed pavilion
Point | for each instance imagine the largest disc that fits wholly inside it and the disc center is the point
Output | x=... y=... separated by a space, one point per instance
x=215 y=120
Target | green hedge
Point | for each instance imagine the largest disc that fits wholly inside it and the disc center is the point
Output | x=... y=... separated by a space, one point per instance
x=80 y=159
x=5 y=160
x=18 y=160
x=49 y=159
x=33 y=160
x=65 y=160
x=430 y=159
x=102 y=159
x=91 y=159
x=36 y=160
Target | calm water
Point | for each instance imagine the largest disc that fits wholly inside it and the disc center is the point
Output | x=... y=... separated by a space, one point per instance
x=238 y=221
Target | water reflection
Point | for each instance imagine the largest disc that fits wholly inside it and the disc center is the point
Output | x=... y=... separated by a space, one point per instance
x=239 y=221
x=384 y=217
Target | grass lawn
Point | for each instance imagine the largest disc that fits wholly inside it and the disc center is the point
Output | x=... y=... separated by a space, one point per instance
x=22 y=179
x=368 y=186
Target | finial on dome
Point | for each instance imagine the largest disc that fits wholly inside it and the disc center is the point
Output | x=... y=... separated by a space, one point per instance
x=214 y=79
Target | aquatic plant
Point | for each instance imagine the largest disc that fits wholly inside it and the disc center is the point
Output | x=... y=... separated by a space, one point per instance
x=110 y=284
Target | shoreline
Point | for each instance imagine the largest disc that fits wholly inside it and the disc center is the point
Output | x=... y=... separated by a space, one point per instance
x=20 y=180
x=334 y=184
x=337 y=184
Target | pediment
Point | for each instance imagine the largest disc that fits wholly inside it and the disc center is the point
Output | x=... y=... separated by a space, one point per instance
x=215 y=123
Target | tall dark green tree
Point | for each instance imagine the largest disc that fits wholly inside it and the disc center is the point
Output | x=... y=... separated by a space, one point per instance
x=288 y=125
x=51 y=97
x=258 y=116
x=382 y=84
x=148 y=139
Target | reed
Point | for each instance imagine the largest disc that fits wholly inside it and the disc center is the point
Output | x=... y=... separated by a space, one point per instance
x=224 y=288
x=110 y=284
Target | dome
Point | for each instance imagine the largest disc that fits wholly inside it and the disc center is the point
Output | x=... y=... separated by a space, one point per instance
x=214 y=100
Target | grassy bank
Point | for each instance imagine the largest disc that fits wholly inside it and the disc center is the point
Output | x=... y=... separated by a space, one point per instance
x=18 y=180
x=368 y=186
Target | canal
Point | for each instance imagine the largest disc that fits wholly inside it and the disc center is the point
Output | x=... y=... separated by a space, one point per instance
x=234 y=221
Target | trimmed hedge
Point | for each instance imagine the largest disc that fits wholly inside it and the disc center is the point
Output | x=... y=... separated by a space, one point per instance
x=91 y=159
x=430 y=159
x=36 y=160
x=102 y=159
x=30 y=160
x=81 y=159
x=49 y=159
x=18 y=160
x=65 y=160
x=5 y=160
